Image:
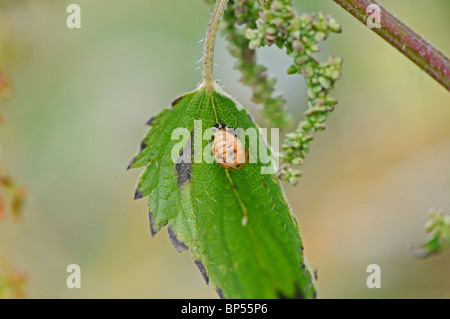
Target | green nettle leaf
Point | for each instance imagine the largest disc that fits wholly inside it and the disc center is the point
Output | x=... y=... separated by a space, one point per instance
x=237 y=224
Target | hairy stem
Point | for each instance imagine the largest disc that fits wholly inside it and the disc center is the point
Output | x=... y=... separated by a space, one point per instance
x=210 y=41
x=409 y=43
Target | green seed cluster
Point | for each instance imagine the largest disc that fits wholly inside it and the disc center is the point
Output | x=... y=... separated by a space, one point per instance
x=300 y=35
x=320 y=78
x=252 y=24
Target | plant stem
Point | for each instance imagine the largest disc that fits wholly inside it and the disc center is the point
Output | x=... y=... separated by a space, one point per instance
x=409 y=43
x=210 y=41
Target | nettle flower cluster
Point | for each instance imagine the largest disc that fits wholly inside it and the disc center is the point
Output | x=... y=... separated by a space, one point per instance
x=300 y=35
x=241 y=16
x=252 y=24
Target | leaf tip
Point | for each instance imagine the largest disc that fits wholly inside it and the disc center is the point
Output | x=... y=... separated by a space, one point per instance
x=137 y=194
x=131 y=163
x=175 y=102
x=202 y=269
x=220 y=293
x=150 y=220
x=150 y=121
x=178 y=244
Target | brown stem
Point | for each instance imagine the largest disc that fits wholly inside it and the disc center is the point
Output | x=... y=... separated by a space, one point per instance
x=399 y=35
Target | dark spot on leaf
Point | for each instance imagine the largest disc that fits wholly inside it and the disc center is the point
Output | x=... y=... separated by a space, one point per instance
x=202 y=269
x=175 y=102
x=303 y=268
x=184 y=172
x=316 y=274
x=302 y=249
x=298 y=295
x=178 y=244
x=143 y=146
x=183 y=164
x=220 y=293
x=137 y=194
x=150 y=219
x=131 y=163
x=149 y=122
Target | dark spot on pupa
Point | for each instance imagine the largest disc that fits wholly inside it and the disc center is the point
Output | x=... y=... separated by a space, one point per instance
x=183 y=165
x=219 y=125
x=150 y=219
x=298 y=295
x=220 y=293
x=142 y=146
x=150 y=121
x=131 y=163
x=178 y=244
x=175 y=102
x=137 y=194
x=202 y=269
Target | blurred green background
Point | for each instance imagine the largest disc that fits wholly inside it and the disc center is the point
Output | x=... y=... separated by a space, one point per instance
x=79 y=103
